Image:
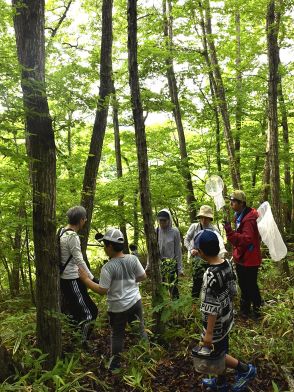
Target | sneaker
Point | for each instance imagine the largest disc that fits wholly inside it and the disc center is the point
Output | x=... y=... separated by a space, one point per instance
x=212 y=386
x=242 y=379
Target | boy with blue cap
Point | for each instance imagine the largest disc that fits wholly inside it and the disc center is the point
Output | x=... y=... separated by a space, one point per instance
x=216 y=308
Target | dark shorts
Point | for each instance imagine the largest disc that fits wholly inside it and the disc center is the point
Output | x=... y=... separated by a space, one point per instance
x=222 y=345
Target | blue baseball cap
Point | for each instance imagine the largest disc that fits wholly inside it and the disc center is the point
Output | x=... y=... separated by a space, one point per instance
x=207 y=241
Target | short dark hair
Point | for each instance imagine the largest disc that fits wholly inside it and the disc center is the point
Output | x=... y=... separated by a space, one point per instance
x=210 y=248
x=207 y=241
x=117 y=247
x=75 y=214
x=133 y=247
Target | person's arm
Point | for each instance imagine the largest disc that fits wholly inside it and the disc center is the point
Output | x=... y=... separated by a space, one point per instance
x=139 y=271
x=141 y=278
x=90 y=284
x=207 y=338
x=178 y=251
x=189 y=237
x=210 y=307
x=75 y=250
x=222 y=248
x=241 y=239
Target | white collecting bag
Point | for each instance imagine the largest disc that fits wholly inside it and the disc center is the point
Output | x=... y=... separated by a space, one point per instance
x=269 y=232
x=214 y=187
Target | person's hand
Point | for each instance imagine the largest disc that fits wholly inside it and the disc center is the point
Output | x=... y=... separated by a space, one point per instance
x=194 y=252
x=148 y=271
x=207 y=339
x=227 y=226
x=83 y=274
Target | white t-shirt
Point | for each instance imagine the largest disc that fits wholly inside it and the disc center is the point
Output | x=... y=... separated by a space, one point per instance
x=119 y=275
x=70 y=245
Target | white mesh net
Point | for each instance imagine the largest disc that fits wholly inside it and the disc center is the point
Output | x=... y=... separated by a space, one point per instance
x=214 y=187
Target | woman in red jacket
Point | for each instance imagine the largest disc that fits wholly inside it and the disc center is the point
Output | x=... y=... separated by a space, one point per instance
x=246 y=252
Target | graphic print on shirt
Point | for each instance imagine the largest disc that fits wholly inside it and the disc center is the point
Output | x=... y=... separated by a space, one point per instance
x=216 y=299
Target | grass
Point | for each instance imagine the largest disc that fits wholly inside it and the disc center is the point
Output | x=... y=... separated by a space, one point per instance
x=268 y=343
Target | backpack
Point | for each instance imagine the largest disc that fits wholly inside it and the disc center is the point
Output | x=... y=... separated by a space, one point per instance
x=59 y=235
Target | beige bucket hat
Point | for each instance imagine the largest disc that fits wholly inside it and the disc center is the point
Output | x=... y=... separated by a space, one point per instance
x=206 y=212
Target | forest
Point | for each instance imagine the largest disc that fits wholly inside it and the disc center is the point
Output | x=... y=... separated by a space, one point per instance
x=128 y=108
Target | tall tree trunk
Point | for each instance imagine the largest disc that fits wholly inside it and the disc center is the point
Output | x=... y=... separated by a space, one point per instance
x=292 y=212
x=212 y=85
x=273 y=61
x=119 y=171
x=173 y=92
x=17 y=245
x=30 y=266
x=238 y=115
x=94 y=156
x=221 y=96
x=29 y=29
x=266 y=177
x=6 y=362
x=286 y=147
x=142 y=156
x=136 y=218
x=217 y=131
x=263 y=125
x=272 y=29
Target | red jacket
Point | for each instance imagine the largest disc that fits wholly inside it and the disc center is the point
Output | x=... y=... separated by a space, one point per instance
x=246 y=240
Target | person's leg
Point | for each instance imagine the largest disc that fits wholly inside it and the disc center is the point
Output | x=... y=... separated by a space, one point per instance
x=218 y=383
x=79 y=305
x=242 y=274
x=170 y=276
x=198 y=268
x=254 y=292
x=244 y=372
x=135 y=316
x=88 y=310
x=173 y=282
x=117 y=323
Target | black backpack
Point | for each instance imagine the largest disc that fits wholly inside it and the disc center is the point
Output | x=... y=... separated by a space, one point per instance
x=59 y=235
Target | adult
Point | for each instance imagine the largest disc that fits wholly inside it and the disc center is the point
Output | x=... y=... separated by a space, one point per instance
x=199 y=265
x=169 y=242
x=76 y=301
x=246 y=252
x=119 y=281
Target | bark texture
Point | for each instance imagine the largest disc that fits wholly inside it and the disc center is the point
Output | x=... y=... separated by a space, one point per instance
x=94 y=156
x=220 y=94
x=119 y=169
x=273 y=131
x=29 y=30
x=142 y=157
x=174 y=97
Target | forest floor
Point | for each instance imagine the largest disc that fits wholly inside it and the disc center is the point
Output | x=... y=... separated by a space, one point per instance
x=174 y=371
x=164 y=366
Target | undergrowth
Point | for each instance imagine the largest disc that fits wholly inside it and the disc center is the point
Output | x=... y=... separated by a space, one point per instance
x=269 y=342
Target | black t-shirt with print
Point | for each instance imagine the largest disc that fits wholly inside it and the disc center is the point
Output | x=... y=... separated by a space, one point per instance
x=217 y=292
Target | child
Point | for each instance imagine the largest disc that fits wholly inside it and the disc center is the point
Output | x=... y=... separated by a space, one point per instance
x=217 y=312
x=119 y=280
